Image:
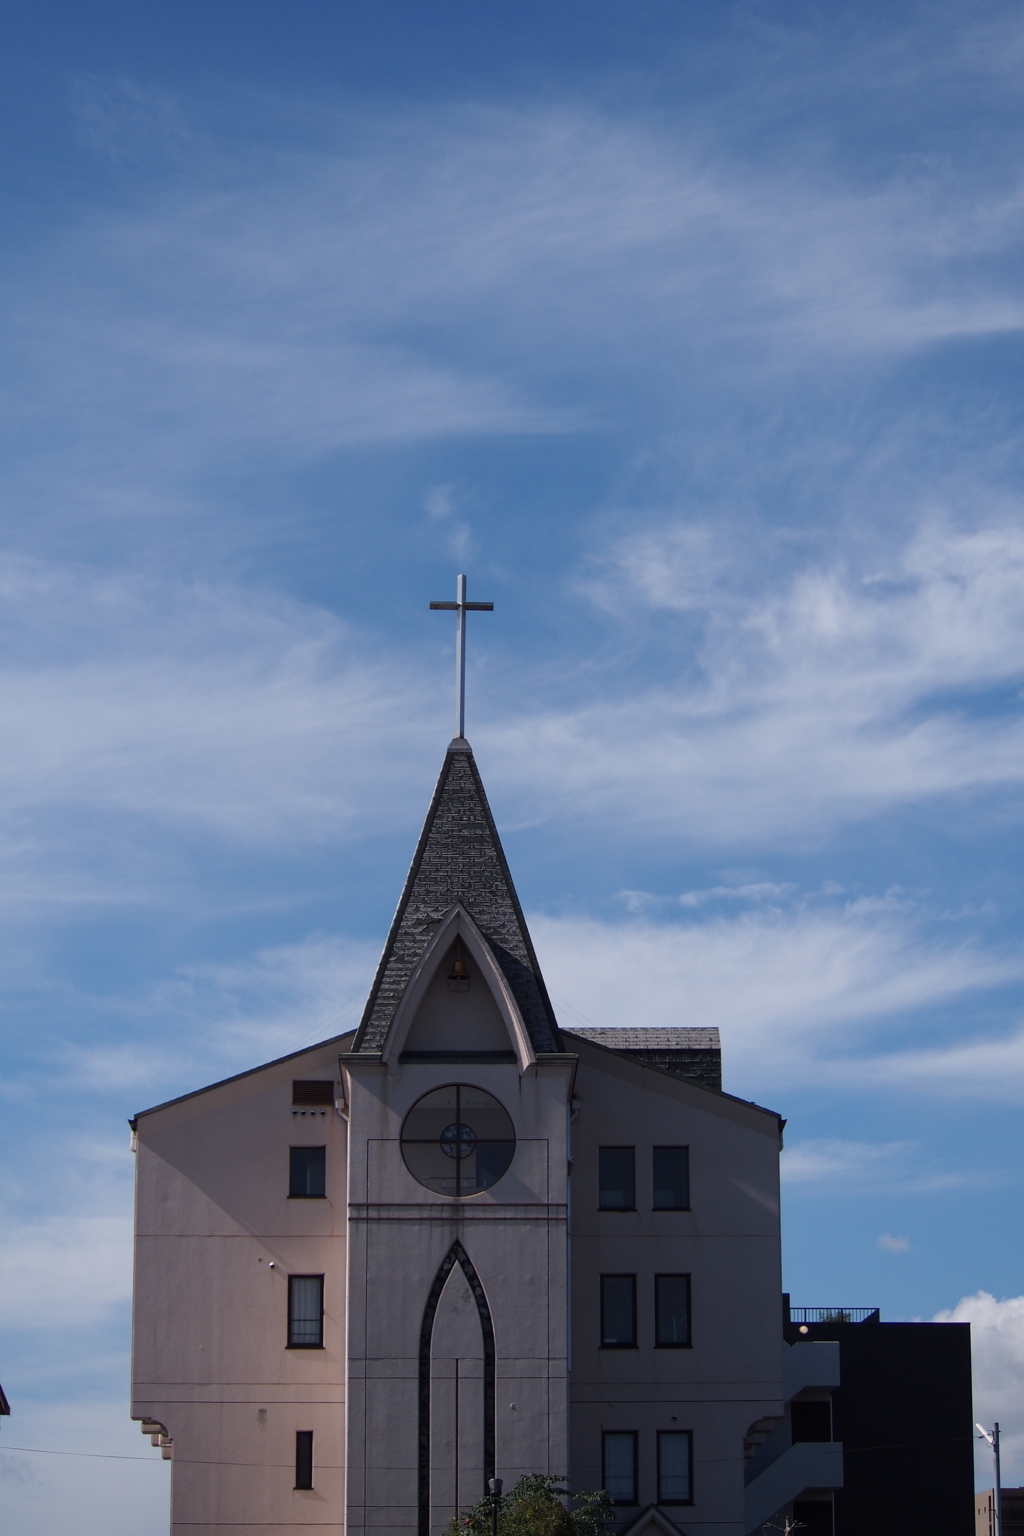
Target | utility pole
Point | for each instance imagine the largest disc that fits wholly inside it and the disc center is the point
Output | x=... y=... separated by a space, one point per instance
x=992 y=1437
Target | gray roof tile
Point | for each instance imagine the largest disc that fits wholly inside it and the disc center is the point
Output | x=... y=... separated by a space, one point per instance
x=459 y=859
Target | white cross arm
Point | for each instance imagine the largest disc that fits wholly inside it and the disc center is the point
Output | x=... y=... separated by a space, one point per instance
x=473 y=607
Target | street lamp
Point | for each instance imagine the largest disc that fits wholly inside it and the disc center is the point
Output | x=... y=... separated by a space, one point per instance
x=494 y=1489
x=992 y=1437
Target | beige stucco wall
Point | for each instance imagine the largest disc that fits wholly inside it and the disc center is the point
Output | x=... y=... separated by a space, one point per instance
x=210 y=1355
x=210 y=1360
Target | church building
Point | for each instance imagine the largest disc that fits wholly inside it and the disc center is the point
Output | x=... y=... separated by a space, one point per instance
x=463 y=1242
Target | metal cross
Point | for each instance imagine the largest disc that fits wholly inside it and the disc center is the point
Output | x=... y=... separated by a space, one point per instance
x=461 y=608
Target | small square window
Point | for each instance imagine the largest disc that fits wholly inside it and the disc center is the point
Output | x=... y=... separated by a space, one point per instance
x=305 y=1311
x=617 y=1178
x=303 y=1458
x=671 y=1178
x=672 y=1311
x=307 y=1173
x=675 y=1466
x=618 y=1465
x=618 y=1311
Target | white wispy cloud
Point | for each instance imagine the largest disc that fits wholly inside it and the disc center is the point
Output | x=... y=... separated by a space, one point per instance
x=208 y=1020
x=66 y=1270
x=835 y=1165
x=833 y=696
x=756 y=891
x=800 y=996
x=832 y=699
x=174 y=704
x=986 y=1065
x=472 y=271
x=831 y=1160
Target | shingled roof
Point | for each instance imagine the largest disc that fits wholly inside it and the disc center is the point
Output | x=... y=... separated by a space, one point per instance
x=459 y=859
x=693 y=1052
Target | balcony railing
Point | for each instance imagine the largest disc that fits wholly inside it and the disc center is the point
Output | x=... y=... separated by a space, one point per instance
x=833 y=1314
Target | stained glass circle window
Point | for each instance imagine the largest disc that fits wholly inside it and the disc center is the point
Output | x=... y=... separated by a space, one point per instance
x=458 y=1140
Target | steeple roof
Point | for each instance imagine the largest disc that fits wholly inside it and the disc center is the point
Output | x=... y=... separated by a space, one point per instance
x=459 y=859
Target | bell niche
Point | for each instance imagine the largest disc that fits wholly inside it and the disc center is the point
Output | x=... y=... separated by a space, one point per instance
x=458 y=1011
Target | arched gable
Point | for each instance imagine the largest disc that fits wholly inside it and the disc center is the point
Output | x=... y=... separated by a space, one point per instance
x=457 y=923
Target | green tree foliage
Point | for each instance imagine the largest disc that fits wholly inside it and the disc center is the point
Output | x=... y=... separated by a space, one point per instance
x=538 y=1506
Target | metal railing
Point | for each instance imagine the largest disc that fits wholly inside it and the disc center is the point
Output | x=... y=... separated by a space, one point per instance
x=832 y=1314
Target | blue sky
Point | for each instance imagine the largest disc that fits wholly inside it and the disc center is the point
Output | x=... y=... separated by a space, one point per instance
x=693 y=333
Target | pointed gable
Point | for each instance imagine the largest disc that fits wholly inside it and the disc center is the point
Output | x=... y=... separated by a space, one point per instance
x=459 y=860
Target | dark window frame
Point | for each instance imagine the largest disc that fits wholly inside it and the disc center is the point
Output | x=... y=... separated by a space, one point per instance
x=303 y=1460
x=506 y=1143
x=659 y=1343
x=624 y=1503
x=293 y=1192
x=663 y=1434
x=654 y=1179
x=600 y=1205
x=618 y=1276
x=304 y=1343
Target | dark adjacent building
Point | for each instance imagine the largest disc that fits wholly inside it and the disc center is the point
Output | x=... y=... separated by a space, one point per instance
x=903 y=1412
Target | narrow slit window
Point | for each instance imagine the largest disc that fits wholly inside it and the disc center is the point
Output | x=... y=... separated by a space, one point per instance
x=675 y=1466
x=618 y=1311
x=616 y=1178
x=303 y=1458
x=307 y=1173
x=672 y=1312
x=618 y=1465
x=671 y=1178
x=305 y=1311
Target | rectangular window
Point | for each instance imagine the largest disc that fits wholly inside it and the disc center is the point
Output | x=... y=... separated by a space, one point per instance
x=307 y=1173
x=618 y=1311
x=314 y=1091
x=675 y=1466
x=672 y=1311
x=616 y=1178
x=671 y=1178
x=618 y=1465
x=305 y=1311
x=811 y=1420
x=303 y=1458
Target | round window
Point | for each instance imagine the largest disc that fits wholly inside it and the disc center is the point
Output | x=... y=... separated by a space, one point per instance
x=458 y=1140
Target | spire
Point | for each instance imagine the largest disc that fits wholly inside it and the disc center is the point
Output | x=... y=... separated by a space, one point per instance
x=459 y=858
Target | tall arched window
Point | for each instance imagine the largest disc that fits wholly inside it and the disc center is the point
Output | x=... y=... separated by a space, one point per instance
x=477 y=1394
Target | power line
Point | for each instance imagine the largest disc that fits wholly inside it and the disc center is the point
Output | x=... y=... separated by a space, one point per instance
x=38 y=1450
x=192 y=1461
